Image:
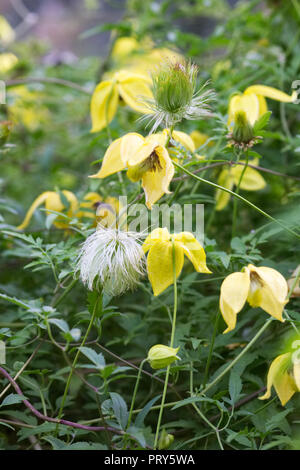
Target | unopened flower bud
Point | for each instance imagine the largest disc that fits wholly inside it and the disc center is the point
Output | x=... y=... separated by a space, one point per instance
x=161 y=356
x=165 y=440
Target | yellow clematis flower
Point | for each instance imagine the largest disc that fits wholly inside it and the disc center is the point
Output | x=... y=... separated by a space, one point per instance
x=52 y=202
x=160 y=257
x=127 y=86
x=284 y=376
x=261 y=287
x=146 y=160
x=230 y=177
x=253 y=102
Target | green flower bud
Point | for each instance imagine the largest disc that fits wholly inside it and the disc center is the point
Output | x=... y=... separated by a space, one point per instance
x=165 y=440
x=242 y=130
x=161 y=356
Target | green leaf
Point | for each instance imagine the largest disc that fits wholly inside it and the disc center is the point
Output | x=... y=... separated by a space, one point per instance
x=97 y=359
x=235 y=386
x=139 y=421
x=120 y=409
x=12 y=399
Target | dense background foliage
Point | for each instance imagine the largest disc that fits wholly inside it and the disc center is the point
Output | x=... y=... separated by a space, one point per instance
x=50 y=147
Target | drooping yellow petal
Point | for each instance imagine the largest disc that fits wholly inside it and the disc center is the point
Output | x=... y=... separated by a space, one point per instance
x=268 y=291
x=156 y=183
x=36 y=203
x=184 y=139
x=89 y=202
x=234 y=291
x=104 y=105
x=112 y=161
x=54 y=203
x=158 y=234
x=252 y=179
x=263 y=108
x=130 y=143
x=193 y=250
x=123 y=47
x=279 y=377
x=272 y=93
x=142 y=152
x=199 y=138
x=226 y=180
x=160 y=265
x=248 y=103
x=134 y=88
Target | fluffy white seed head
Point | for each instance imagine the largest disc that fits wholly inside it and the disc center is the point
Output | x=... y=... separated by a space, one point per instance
x=112 y=259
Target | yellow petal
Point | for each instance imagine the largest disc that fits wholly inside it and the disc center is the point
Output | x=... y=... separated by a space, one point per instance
x=279 y=377
x=185 y=140
x=270 y=92
x=199 y=138
x=156 y=183
x=252 y=179
x=193 y=250
x=263 y=108
x=234 y=291
x=124 y=47
x=36 y=203
x=130 y=143
x=158 y=234
x=226 y=180
x=248 y=103
x=112 y=161
x=133 y=89
x=271 y=296
x=104 y=105
x=54 y=203
x=160 y=265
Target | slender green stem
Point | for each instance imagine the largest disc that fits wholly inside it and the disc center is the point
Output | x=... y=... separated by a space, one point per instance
x=135 y=392
x=235 y=201
x=76 y=359
x=217 y=186
x=64 y=293
x=211 y=349
x=171 y=345
x=238 y=357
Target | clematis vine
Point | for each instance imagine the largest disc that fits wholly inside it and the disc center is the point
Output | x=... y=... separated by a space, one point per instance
x=159 y=244
x=261 y=287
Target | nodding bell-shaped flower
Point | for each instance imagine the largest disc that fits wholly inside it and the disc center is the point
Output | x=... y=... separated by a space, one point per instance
x=160 y=257
x=176 y=96
x=160 y=356
x=230 y=177
x=253 y=102
x=284 y=376
x=261 y=287
x=53 y=201
x=112 y=259
x=145 y=158
x=123 y=86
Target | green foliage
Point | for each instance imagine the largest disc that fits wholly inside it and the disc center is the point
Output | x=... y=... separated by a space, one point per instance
x=45 y=310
